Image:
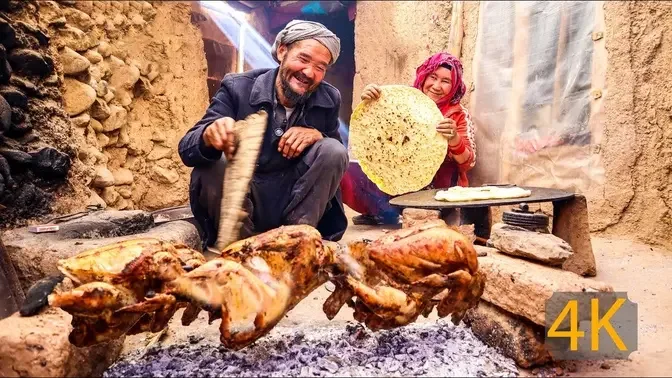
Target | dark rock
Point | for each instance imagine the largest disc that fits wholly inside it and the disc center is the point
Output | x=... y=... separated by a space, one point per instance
x=50 y=163
x=5 y=173
x=18 y=116
x=7 y=35
x=16 y=157
x=15 y=97
x=5 y=115
x=30 y=62
x=25 y=85
x=27 y=201
x=19 y=129
x=5 y=69
x=42 y=37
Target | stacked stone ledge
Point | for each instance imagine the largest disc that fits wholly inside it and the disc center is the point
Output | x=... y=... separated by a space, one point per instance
x=523 y=270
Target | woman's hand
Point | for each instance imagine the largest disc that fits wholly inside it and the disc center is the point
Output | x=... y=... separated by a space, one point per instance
x=371 y=92
x=448 y=128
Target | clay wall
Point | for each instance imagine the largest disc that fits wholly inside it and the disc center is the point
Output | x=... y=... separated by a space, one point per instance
x=392 y=38
x=129 y=78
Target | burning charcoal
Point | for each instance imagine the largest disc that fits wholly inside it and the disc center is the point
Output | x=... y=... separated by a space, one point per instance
x=50 y=163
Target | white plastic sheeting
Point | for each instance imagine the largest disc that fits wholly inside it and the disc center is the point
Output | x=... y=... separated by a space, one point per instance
x=539 y=74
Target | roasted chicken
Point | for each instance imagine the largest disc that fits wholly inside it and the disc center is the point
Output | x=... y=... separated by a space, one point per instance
x=406 y=273
x=138 y=285
x=119 y=288
x=256 y=281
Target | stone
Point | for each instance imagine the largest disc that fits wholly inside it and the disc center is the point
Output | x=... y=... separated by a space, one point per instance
x=73 y=62
x=7 y=34
x=124 y=137
x=100 y=110
x=82 y=120
x=110 y=196
x=29 y=62
x=38 y=346
x=25 y=85
x=118 y=118
x=103 y=178
x=109 y=96
x=35 y=256
x=5 y=115
x=96 y=125
x=125 y=191
x=14 y=97
x=522 y=287
x=84 y=6
x=158 y=136
x=102 y=88
x=105 y=49
x=77 y=96
x=515 y=337
x=165 y=176
x=159 y=152
x=123 y=176
x=517 y=241
x=93 y=56
x=5 y=68
x=411 y=216
x=484 y=251
x=571 y=223
x=76 y=39
x=103 y=140
x=40 y=36
x=114 y=138
x=142 y=87
x=95 y=200
x=51 y=13
x=153 y=75
x=50 y=163
x=78 y=18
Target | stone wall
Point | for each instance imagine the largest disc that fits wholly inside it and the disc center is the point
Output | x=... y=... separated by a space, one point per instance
x=637 y=142
x=110 y=87
x=134 y=82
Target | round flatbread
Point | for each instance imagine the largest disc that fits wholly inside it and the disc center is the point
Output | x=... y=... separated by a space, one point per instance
x=395 y=139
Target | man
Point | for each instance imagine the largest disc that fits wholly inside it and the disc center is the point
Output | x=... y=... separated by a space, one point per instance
x=302 y=159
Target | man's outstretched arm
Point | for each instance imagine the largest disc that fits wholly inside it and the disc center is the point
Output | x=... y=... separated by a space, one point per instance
x=192 y=148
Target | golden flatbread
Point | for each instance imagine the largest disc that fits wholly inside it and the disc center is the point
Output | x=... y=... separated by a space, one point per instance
x=462 y=194
x=394 y=138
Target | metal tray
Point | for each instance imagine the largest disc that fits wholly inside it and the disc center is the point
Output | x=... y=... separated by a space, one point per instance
x=424 y=199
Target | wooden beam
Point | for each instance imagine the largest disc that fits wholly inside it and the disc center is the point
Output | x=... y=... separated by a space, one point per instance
x=456 y=29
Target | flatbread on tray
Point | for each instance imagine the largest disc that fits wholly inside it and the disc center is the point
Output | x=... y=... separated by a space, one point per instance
x=395 y=139
x=462 y=194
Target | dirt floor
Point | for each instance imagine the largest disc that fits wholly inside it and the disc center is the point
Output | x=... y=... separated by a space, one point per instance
x=632 y=267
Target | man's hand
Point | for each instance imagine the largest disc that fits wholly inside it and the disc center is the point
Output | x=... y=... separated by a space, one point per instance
x=448 y=128
x=296 y=139
x=219 y=135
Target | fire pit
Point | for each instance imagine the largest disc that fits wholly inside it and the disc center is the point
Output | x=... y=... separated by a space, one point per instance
x=420 y=349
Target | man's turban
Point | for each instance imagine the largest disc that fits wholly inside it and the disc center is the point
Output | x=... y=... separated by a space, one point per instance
x=298 y=30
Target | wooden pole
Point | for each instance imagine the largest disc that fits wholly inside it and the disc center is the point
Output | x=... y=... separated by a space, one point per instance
x=456 y=29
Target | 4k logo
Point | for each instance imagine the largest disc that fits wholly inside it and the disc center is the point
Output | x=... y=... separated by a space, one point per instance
x=588 y=326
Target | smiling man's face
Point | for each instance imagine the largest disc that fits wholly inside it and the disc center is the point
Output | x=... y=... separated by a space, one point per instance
x=302 y=68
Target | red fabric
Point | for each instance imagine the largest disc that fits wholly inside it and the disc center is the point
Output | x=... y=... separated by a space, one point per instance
x=444 y=175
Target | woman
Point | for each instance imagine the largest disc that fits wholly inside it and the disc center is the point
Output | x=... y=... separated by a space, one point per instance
x=440 y=78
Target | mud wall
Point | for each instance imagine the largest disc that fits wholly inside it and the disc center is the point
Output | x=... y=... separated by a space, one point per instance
x=129 y=80
x=636 y=198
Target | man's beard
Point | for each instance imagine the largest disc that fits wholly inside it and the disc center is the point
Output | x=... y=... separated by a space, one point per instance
x=292 y=96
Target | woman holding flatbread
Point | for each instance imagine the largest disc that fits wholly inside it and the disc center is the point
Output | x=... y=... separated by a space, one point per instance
x=440 y=78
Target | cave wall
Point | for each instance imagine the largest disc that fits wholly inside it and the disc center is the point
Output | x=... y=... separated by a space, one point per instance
x=635 y=199
x=128 y=80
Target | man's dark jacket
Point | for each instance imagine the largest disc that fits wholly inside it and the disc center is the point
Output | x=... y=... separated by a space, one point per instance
x=243 y=94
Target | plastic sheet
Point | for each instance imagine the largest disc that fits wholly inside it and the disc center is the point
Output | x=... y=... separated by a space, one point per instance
x=538 y=75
